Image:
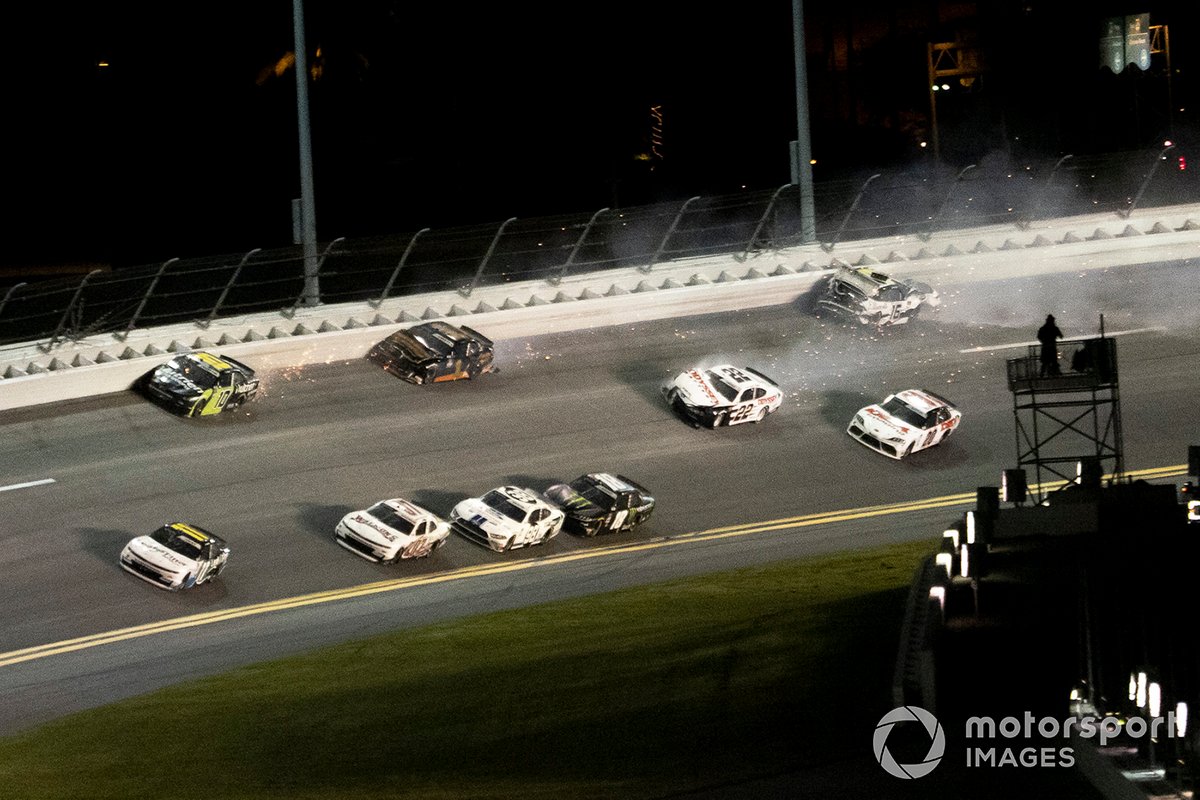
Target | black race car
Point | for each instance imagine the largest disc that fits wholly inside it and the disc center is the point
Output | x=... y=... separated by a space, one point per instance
x=199 y=384
x=602 y=503
x=433 y=352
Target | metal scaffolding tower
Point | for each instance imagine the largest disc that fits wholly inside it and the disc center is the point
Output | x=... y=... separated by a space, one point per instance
x=1068 y=425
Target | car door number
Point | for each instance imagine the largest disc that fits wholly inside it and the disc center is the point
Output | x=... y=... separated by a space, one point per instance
x=741 y=412
x=618 y=520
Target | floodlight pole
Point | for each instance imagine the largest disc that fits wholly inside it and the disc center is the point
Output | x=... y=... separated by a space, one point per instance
x=802 y=160
x=308 y=213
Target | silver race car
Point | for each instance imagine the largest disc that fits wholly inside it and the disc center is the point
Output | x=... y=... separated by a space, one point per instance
x=863 y=295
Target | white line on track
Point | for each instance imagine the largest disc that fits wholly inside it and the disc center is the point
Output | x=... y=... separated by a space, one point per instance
x=1073 y=339
x=42 y=482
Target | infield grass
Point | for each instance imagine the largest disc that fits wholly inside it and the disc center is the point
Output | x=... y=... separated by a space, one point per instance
x=642 y=692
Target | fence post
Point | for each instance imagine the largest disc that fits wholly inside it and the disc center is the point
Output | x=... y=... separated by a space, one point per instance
x=1141 y=190
x=555 y=280
x=311 y=278
x=62 y=323
x=662 y=246
x=937 y=211
x=396 y=272
x=762 y=221
x=486 y=257
x=212 y=314
x=145 y=299
x=1025 y=221
x=9 y=294
x=827 y=247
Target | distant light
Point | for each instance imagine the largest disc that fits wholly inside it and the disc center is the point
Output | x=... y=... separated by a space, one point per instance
x=1168 y=143
x=1140 y=694
x=1132 y=687
x=812 y=161
x=970 y=527
x=1182 y=163
x=938 y=593
x=1154 y=692
x=933 y=88
x=1181 y=719
x=946 y=561
x=945 y=87
x=923 y=144
x=963 y=563
x=102 y=64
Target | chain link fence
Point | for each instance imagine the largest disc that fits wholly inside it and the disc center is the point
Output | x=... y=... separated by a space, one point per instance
x=920 y=203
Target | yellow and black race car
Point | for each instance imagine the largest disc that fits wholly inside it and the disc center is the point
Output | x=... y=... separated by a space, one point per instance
x=200 y=384
x=433 y=352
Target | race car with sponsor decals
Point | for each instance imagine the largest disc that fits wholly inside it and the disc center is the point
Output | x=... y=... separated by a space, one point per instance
x=507 y=517
x=871 y=298
x=200 y=384
x=600 y=502
x=905 y=422
x=176 y=556
x=392 y=530
x=433 y=352
x=723 y=395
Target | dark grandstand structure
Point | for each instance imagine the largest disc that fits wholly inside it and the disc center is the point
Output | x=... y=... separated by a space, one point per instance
x=1071 y=595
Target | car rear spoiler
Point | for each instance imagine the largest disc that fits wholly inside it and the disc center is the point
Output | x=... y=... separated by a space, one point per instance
x=477 y=335
x=235 y=362
x=635 y=485
x=759 y=374
x=939 y=398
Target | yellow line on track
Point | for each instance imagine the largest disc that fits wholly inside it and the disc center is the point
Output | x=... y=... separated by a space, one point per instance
x=363 y=590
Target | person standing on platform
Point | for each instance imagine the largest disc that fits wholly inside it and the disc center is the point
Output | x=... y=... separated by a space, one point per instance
x=1048 y=335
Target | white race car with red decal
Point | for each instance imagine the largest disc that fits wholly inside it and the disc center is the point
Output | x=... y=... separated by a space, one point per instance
x=723 y=395
x=905 y=422
x=392 y=530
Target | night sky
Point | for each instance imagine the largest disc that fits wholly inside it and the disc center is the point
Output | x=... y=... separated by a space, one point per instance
x=185 y=144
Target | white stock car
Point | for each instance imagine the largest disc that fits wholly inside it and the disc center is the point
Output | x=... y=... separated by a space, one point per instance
x=507 y=517
x=176 y=556
x=905 y=422
x=872 y=298
x=723 y=395
x=391 y=530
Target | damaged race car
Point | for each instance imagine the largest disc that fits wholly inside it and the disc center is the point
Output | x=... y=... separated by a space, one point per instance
x=599 y=502
x=433 y=352
x=905 y=422
x=723 y=395
x=507 y=517
x=391 y=530
x=199 y=384
x=868 y=297
x=176 y=556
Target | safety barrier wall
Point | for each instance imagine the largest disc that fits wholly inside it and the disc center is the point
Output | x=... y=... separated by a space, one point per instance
x=32 y=373
x=924 y=205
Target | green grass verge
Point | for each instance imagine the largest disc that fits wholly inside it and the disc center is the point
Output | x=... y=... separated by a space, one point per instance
x=636 y=693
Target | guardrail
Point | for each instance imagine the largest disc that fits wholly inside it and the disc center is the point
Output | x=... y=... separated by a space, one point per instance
x=924 y=204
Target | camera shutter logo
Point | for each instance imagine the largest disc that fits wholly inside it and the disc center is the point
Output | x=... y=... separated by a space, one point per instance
x=937 y=747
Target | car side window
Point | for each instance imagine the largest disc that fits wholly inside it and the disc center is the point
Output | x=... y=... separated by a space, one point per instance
x=538 y=515
x=759 y=392
x=746 y=394
x=473 y=349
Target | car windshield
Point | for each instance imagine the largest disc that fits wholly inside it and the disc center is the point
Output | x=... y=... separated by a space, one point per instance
x=388 y=516
x=595 y=493
x=178 y=541
x=195 y=371
x=728 y=391
x=432 y=338
x=502 y=504
x=904 y=412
